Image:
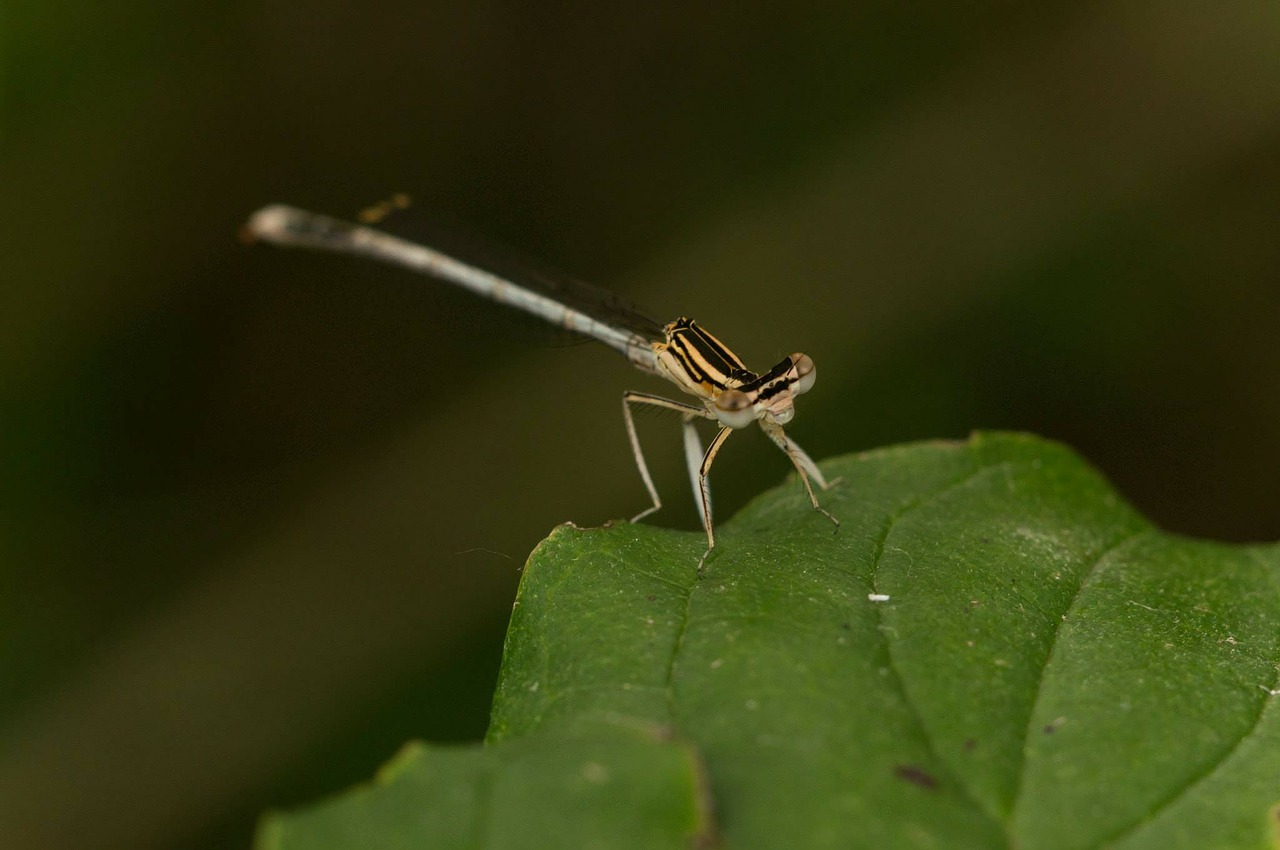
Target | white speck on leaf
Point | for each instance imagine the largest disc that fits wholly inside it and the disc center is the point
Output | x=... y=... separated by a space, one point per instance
x=877 y=597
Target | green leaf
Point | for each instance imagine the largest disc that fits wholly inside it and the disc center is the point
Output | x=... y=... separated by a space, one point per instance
x=601 y=784
x=1049 y=671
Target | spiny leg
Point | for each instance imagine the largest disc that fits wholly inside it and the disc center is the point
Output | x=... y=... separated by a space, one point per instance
x=699 y=473
x=631 y=398
x=801 y=458
x=804 y=466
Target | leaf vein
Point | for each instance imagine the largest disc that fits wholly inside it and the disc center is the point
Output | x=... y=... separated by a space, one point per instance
x=898 y=680
x=676 y=646
x=1178 y=793
x=1056 y=627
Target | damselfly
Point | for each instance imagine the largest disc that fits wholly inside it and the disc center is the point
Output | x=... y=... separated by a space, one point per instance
x=728 y=393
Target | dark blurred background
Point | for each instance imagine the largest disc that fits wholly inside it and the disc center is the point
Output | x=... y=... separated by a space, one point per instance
x=264 y=511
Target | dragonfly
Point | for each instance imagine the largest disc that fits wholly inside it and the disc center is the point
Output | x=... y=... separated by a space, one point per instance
x=726 y=391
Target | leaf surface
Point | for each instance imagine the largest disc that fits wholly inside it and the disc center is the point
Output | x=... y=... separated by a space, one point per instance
x=608 y=785
x=1048 y=671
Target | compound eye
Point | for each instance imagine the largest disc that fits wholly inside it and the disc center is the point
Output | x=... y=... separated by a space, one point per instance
x=806 y=373
x=733 y=409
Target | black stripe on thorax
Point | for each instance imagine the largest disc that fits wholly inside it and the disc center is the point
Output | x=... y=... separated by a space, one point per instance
x=771 y=383
x=693 y=342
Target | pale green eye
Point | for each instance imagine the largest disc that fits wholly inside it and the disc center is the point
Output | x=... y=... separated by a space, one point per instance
x=733 y=409
x=806 y=373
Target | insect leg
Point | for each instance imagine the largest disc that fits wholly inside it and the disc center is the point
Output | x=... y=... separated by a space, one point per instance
x=698 y=475
x=804 y=466
x=631 y=398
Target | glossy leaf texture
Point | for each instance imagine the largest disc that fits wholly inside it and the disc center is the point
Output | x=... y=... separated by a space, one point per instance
x=1047 y=672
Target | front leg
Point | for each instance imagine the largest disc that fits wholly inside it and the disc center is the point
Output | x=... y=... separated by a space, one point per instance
x=804 y=466
x=699 y=474
x=699 y=470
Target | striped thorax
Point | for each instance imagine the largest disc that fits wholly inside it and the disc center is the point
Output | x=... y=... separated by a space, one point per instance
x=702 y=366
